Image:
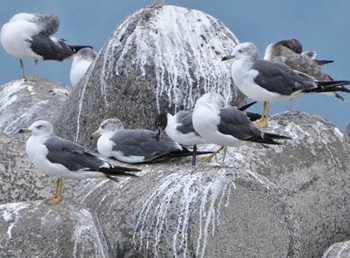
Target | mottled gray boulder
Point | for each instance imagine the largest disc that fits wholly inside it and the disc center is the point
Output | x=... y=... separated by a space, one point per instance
x=160 y=57
x=282 y=201
x=22 y=102
x=338 y=250
x=37 y=230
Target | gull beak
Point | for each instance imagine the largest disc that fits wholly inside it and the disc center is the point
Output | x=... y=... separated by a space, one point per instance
x=24 y=130
x=158 y=134
x=228 y=57
x=95 y=135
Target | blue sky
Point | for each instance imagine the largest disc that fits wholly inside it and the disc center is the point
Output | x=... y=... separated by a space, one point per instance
x=323 y=26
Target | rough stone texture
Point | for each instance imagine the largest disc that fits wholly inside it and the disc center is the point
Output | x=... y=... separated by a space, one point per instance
x=23 y=102
x=37 y=230
x=338 y=250
x=283 y=201
x=161 y=57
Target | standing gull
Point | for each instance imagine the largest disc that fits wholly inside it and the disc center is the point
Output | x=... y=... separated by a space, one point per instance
x=179 y=127
x=59 y=157
x=225 y=125
x=137 y=145
x=289 y=51
x=263 y=80
x=29 y=35
x=80 y=64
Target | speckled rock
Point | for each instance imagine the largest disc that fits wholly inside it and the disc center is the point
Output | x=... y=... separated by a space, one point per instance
x=160 y=57
x=338 y=250
x=23 y=102
x=281 y=201
x=37 y=230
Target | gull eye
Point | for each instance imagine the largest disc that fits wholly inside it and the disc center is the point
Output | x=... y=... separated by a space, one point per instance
x=39 y=127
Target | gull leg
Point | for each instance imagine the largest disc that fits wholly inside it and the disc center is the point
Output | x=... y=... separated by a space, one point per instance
x=262 y=122
x=223 y=157
x=56 y=198
x=22 y=68
x=194 y=155
x=210 y=157
x=34 y=78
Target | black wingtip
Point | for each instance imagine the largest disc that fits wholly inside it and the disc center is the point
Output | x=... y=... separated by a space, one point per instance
x=76 y=48
x=323 y=62
x=246 y=106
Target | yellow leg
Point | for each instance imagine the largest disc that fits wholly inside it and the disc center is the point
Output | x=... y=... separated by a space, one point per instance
x=56 y=198
x=210 y=157
x=262 y=122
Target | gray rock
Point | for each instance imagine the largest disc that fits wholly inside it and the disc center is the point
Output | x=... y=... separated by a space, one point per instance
x=37 y=230
x=338 y=250
x=23 y=102
x=161 y=57
x=282 y=201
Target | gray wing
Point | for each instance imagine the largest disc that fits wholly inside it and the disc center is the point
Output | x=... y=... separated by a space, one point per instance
x=236 y=123
x=306 y=64
x=278 y=77
x=301 y=62
x=71 y=155
x=185 y=118
x=143 y=143
x=43 y=45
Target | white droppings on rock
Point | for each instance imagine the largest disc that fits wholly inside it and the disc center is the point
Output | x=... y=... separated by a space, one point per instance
x=338 y=133
x=86 y=236
x=181 y=187
x=184 y=47
x=10 y=214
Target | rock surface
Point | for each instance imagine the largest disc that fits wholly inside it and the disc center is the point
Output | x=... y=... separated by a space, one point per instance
x=161 y=57
x=282 y=201
x=23 y=102
x=338 y=250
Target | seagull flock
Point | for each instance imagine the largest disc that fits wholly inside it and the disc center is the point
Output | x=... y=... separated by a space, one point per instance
x=286 y=72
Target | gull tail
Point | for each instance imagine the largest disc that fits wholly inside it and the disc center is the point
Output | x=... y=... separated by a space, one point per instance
x=76 y=48
x=246 y=106
x=323 y=62
x=329 y=86
x=118 y=171
x=177 y=154
x=270 y=138
x=252 y=116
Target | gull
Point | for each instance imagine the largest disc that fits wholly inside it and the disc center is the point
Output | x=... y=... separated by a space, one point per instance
x=135 y=145
x=289 y=51
x=179 y=127
x=29 y=35
x=80 y=64
x=62 y=158
x=226 y=125
x=266 y=81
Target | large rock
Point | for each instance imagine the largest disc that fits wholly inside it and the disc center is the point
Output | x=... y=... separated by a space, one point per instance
x=23 y=102
x=338 y=250
x=161 y=57
x=37 y=230
x=281 y=201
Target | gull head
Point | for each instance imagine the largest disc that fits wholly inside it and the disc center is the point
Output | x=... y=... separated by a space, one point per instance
x=245 y=51
x=40 y=127
x=108 y=125
x=212 y=99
